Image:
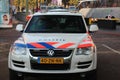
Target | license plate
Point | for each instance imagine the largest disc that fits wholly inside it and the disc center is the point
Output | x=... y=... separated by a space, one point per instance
x=51 y=60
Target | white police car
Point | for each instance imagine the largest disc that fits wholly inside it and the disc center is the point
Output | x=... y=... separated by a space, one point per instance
x=53 y=43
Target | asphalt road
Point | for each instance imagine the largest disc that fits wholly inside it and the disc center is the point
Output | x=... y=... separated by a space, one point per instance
x=108 y=45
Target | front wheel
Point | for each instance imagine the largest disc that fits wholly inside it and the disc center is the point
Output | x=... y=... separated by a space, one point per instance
x=13 y=75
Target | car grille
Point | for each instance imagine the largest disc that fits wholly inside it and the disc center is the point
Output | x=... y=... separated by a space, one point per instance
x=37 y=66
x=58 y=53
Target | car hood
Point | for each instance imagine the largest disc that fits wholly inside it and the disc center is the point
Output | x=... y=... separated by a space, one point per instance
x=51 y=40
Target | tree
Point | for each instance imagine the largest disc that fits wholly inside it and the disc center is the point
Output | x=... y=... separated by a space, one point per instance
x=31 y=3
x=73 y=2
x=65 y=2
x=22 y=3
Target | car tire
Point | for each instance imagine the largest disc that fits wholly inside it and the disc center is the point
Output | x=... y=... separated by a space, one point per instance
x=13 y=75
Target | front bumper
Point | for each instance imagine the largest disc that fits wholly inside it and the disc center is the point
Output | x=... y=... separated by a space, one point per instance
x=72 y=64
x=59 y=75
x=66 y=68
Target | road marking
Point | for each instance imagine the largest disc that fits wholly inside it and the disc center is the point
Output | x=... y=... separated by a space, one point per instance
x=115 y=51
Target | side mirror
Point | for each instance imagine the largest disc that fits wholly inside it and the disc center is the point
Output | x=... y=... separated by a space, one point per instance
x=93 y=28
x=19 y=27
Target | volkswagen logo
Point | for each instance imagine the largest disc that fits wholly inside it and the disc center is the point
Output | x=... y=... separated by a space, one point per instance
x=50 y=52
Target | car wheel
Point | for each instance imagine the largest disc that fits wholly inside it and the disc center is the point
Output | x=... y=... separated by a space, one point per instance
x=13 y=75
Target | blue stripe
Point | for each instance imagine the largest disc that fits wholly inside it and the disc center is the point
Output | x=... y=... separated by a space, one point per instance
x=30 y=46
x=47 y=45
x=20 y=45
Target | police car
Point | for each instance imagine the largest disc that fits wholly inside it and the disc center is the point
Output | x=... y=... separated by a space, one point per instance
x=55 y=42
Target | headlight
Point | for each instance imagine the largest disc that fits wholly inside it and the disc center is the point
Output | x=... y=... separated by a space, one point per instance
x=18 y=50
x=84 y=51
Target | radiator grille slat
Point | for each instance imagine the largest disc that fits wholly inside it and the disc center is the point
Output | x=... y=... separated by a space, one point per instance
x=58 y=53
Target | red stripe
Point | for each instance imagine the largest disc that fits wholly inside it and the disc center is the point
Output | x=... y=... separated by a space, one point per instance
x=87 y=39
x=85 y=45
x=66 y=45
x=51 y=43
x=37 y=45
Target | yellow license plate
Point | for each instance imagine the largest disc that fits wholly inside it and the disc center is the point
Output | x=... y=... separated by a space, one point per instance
x=51 y=60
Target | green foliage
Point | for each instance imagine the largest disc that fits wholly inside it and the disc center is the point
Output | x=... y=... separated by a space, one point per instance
x=22 y=3
x=33 y=3
x=73 y=2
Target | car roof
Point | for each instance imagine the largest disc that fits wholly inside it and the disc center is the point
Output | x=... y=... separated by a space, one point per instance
x=57 y=12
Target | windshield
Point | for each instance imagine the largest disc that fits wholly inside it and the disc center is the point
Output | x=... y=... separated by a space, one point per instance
x=56 y=24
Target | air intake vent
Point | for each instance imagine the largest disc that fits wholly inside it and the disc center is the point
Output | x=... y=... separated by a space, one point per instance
x=18 y=64
x=50 y=66
x=83 y=65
